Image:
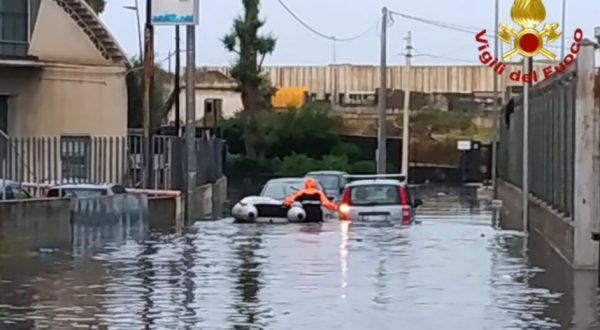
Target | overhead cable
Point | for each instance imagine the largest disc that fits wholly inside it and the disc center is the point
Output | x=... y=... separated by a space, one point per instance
x=323 y=35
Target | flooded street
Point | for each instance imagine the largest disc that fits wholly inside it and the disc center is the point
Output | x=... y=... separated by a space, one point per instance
x=451 y=271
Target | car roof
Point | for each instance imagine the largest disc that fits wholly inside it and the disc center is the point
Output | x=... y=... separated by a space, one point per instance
x=326 y=173
x=6 y=182
x=289 y=180
x=372 y=182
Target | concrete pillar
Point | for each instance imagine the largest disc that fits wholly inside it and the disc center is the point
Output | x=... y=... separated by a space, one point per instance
x=587 y=169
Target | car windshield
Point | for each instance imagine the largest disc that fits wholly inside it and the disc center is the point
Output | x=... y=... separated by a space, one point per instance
x=281 y=189
x=374 y=195
x=328 y=181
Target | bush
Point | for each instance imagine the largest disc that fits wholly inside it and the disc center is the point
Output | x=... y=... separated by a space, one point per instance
x=335 y=163
x=364 y=167
x=241 y=166
x=297 y=165
x=351 y=151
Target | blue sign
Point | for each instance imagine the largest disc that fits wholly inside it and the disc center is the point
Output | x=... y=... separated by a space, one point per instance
x=175 y=12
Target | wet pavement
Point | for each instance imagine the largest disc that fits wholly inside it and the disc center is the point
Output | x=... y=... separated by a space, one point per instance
x=451 y=271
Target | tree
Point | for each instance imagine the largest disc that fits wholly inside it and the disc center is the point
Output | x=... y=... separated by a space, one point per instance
x=97 y=5
x=244 y=40
x=135 y=92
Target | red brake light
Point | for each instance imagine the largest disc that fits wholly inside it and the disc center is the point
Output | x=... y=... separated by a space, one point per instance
x=405 y=216
x=402 y=195
x=343 y=210
x=346 y=196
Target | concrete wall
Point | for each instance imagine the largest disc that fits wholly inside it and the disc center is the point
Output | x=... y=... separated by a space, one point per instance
x=28 y=225
x=558 y=232
x=210 y=200
x=163 y=212
x=365 y=78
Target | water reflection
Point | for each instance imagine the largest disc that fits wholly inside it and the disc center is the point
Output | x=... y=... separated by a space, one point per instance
x=451 y=272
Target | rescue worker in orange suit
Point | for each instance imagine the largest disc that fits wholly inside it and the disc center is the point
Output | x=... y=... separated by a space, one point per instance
x=310 y=193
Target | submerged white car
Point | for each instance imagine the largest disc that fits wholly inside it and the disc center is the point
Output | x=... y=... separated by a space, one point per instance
x=268 y=206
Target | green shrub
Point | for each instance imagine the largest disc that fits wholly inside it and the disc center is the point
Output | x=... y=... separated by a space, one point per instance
x=350 y=150
x=335 y=163
x=241 y=166
x=364 y=167
x=297 y=165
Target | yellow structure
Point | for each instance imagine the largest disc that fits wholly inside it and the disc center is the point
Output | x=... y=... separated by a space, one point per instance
x=289 y=97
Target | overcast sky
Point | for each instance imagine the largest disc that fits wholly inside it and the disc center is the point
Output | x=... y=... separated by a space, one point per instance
x=346 y=18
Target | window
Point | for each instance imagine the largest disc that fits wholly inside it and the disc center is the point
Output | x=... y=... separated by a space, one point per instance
x=14 y=29
x=375 y=195
x=19 y=193
x=75 y=154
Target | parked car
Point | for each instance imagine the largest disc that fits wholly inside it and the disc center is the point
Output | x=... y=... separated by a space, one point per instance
x=333 y=182
x=378 y=199
x=85 y=190
x=12 y=190
x=268 y=206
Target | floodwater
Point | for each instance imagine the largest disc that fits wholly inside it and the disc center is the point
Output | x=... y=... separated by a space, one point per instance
x=451 y=271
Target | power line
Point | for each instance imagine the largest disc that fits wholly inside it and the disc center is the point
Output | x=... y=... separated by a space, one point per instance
x=450 y=26
x=323 y=35
x=439 y=57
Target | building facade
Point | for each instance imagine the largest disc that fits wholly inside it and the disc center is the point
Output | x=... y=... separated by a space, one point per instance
x=61 y=71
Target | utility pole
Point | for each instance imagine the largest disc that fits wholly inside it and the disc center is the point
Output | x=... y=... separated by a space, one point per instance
x=148 y=77
x=381 y=136
x=528 y=62
x=190 y=116
x=564 y=22
x=334 y=73
x=496 y=110
x=177 y=79
x=406 y=113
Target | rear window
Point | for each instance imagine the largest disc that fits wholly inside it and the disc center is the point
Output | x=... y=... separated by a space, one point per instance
x=328 y=181
x=375 y=195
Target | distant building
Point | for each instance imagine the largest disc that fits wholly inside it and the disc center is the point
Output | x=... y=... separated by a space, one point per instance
x=62 y=74
x=217 y=96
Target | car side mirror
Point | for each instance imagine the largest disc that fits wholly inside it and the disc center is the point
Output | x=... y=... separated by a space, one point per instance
x=418 y=202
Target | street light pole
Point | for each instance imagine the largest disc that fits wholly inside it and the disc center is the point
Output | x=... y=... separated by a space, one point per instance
x=564 y=22
x=496 y=110
x=528 y=62
x=381 y=136
x=148 y=77
x=177 y=80
x=406 y=114
x=136 y=8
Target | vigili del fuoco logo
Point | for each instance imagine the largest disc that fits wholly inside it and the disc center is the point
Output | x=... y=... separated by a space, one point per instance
x=528 y=41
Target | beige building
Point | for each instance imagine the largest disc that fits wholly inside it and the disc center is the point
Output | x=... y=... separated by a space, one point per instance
x=217 y=96
x=61 y=71
x=62 y=76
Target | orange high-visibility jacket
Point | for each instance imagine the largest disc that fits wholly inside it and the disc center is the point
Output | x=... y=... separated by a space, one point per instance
x=310 y=188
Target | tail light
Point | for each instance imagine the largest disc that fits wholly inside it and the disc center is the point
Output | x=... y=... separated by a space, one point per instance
x=405 y=216
x=345 y=205
x=402 y=195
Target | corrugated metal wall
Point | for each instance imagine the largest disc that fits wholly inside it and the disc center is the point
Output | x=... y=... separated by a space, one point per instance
x=356 y=78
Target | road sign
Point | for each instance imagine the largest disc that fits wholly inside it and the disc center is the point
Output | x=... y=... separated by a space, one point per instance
x=175 y=12
x=497 y=204
x=464 y=145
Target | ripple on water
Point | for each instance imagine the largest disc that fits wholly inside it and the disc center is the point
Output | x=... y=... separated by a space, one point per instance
x=451 y=272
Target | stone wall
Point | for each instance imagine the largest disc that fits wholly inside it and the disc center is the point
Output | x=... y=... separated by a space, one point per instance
x=28 y=225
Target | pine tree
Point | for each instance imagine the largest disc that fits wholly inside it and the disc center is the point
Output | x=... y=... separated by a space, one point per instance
x=245 y=41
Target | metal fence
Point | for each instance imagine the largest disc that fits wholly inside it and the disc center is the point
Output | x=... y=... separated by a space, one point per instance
x=108 y=159
x=551 y=141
